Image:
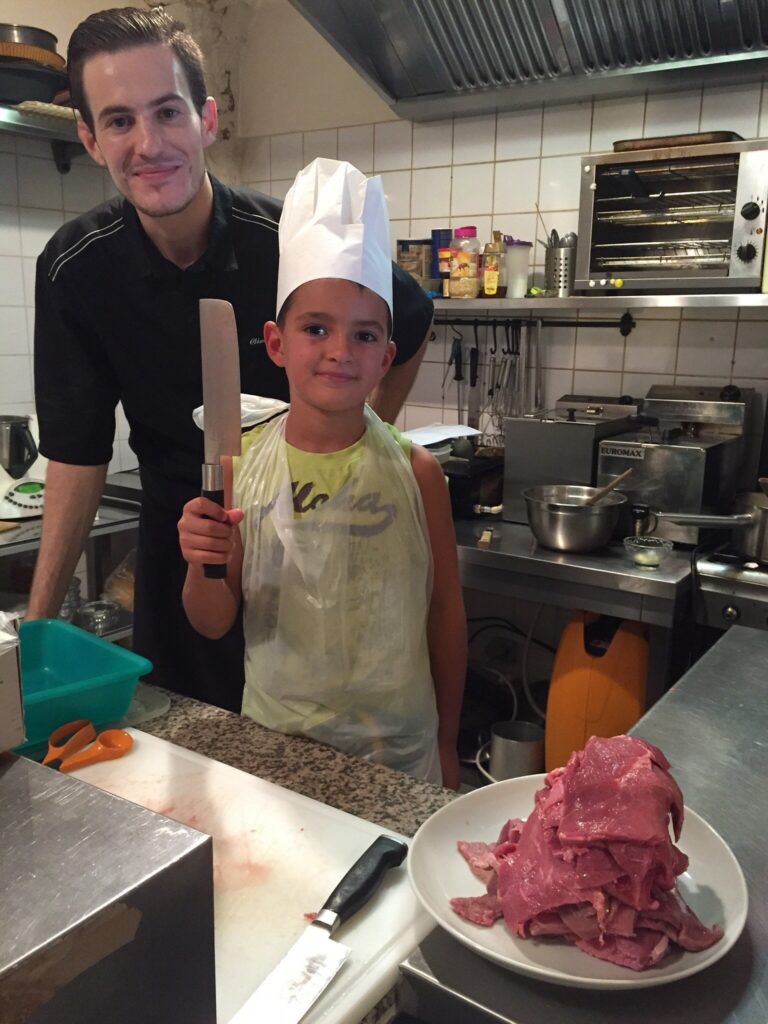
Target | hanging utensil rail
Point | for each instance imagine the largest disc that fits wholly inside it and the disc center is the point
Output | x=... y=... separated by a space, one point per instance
x=625 y=324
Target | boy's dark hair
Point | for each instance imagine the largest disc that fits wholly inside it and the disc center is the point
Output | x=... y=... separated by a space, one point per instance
x=280 y=320
x=122 y=28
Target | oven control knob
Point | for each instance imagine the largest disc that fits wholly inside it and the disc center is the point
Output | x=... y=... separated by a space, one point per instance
x=730 y=613
x=750 y=211
x=746 y=253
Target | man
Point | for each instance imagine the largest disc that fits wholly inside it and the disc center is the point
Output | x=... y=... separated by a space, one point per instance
x=117 y=319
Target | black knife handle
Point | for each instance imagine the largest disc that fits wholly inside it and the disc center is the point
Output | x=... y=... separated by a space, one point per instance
x=219 y=571
x=363 y=878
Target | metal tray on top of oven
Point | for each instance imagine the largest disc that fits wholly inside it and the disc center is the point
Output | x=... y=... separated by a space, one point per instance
x=663 y=141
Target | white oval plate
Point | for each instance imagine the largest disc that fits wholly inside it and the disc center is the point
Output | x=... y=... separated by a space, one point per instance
x=713 y=886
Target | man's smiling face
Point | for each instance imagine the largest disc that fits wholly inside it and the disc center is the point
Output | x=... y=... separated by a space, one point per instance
x=147 y=132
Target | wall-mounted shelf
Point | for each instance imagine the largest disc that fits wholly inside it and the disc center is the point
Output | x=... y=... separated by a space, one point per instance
x=59 y=131
x=603 y=303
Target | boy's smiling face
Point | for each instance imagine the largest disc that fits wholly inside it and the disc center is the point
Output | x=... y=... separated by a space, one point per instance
x=334 y=344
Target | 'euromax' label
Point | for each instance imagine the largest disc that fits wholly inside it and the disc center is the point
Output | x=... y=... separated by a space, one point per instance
x=625 y=451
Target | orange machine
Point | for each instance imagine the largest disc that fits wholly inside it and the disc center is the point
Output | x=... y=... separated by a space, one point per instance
x=598 y=683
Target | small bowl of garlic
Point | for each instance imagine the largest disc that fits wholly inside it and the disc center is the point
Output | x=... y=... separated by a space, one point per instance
x=648 y=552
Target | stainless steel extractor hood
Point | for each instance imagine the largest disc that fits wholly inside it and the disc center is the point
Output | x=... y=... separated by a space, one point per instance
x=433 y=58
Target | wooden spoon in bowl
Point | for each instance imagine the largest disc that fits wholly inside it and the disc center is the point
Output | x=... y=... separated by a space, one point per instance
x=598 y=495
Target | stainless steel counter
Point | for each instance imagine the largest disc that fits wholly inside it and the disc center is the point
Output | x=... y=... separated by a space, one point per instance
x=604 y=581
x=713 y=726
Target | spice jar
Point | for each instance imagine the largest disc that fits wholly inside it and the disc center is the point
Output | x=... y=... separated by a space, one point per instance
x=494 y=268
x=444 y=256
x=464 y=282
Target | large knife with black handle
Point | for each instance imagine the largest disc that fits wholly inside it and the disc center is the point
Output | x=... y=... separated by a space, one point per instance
x=221 y=400
x=289 y=990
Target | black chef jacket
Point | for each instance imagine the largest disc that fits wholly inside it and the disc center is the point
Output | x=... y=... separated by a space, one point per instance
x=115 y=321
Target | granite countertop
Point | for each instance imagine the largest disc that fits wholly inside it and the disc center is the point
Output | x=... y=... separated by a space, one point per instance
x=380 y=795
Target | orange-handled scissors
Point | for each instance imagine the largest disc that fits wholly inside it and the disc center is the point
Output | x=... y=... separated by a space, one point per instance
x=76 y=744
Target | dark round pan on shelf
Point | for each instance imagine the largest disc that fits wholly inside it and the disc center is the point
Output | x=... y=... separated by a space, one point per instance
x=27 y=80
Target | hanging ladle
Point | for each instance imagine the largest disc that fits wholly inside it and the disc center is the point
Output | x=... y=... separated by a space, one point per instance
x=598 y=495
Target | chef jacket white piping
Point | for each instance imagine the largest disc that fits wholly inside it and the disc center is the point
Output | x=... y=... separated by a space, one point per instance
x=83 y=243
x=254 y=218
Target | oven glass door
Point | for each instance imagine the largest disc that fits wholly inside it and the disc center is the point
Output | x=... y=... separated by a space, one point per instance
x=668 y=217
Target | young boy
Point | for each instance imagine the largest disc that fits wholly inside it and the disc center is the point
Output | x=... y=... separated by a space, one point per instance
x=345 y=558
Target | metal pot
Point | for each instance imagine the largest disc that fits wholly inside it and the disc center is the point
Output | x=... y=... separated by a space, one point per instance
x=26 y=35
x=748 y=524
x=560 y=520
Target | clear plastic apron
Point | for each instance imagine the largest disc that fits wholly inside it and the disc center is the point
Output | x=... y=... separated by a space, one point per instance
x=336 y=603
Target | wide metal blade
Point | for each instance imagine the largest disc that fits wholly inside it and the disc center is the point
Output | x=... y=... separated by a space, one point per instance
x=221 y=379
x=290 y=989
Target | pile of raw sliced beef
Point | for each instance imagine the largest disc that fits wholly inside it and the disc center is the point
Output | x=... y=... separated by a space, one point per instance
x=594 y=861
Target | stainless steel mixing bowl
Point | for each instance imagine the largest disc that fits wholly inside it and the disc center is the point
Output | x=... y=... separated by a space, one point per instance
x=560 y=520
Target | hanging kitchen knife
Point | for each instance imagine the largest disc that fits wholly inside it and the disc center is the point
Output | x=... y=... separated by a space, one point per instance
x=221 y=400
x=290 y=989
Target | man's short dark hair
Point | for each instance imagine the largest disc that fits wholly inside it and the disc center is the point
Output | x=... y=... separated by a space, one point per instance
x=122 y=28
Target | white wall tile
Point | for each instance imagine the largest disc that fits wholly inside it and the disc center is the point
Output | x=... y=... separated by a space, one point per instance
x=560 y=183
x=638 y=384
x=11 y=283
x=751 y=358
x=128 y=459
x=566 y=128
x=279 y=189
x=474 y=139
x=518 y=134
x=30 y=311
x=731 y=108
x=10 y=236
x=28 y=267
x=428 y=387
x=431 y=192
x=15 y=379
x=260 y=186
x=8 y=179
x=472 y=191
x=616 y=119
x=33 y=147
x=323 y=143
x=13 y=331
x=83 y=188
x=599 y=349
x=672 y=113
x=517 y=186
x=37 y=226
x=595 y=382
x=652 y=347
x=39 y=183
x=256 y=158
x=753 y=313
x=356 y=146
x=556 y=384
x=7 y=143
x=397 y=189
x=286 y=155
x=432 y=144
x=559 y=347
x=399 y=229
x=421 y=416
x=392 y=145
x=706 y=349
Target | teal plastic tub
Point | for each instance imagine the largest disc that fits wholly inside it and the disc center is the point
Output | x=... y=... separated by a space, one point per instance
x=68 y=673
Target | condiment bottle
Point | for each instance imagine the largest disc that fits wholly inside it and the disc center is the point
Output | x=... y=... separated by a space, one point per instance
x=444 y=256
x=494 y=271
x=464 y=282
x=518 y=261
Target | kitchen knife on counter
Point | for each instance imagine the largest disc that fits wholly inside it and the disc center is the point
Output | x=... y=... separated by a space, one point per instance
x=221 y=400
x=290 y=989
